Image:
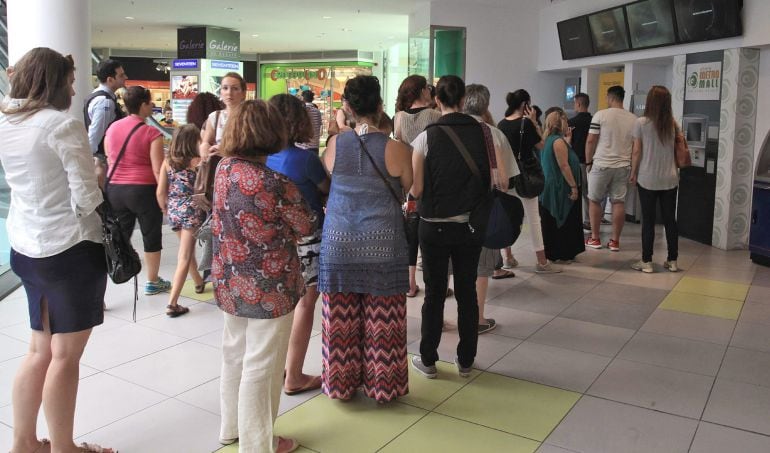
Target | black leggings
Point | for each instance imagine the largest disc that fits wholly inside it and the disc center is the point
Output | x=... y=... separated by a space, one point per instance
x=649 y=199
x=137 y=201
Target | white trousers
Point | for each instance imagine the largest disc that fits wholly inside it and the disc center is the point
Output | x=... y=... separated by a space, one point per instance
x=532 y=214
x=253 y=361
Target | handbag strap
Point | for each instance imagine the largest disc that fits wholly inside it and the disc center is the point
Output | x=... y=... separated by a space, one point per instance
x=377 y=169
x=521 y=137
x=490 y=145
x=120 y=155
x=463 y=150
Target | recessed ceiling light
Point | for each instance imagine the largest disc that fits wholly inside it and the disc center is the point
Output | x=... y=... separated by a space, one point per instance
x=229 y=8
x=255 y=36
x=129 y=17
x=271 y=51
x=326 y=17
x=391 y=37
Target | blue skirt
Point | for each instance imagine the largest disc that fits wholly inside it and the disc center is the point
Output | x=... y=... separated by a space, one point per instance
x=72 y=282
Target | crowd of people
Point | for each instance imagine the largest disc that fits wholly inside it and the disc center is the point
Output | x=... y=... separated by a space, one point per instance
x=288 y=224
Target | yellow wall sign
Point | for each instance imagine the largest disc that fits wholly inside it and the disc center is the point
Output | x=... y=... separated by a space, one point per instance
x=607 y=80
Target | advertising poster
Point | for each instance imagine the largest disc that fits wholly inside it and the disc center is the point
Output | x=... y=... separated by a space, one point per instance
x=703 y=82
x=184 y=86
x=607 y=80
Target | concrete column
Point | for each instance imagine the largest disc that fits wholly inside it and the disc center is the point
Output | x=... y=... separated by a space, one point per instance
x=62 y=25
x=589 y=84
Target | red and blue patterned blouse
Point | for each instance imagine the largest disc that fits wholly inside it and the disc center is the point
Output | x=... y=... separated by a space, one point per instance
x=258 y=216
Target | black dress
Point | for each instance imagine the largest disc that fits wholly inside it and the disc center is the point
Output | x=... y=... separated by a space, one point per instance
x=563 y=243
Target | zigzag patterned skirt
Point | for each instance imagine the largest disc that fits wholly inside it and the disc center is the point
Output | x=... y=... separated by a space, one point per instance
x=364 y=345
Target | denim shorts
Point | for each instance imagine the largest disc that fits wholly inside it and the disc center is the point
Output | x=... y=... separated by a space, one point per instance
x=608 y=182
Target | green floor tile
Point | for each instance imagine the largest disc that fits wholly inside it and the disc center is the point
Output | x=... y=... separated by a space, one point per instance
x=358 y=426
x=234 y=449
x=429 y=393
x=712 y=288
x=511 y=405
x=448 y=435
x=702 y=305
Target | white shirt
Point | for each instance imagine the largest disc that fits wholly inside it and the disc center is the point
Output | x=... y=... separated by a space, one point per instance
x=101 y=110
x=50 y=170
x=615 y=128
x=508 y=162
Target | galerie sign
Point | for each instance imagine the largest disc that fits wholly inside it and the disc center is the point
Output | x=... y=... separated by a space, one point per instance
x=703 y=81
x=207 y=42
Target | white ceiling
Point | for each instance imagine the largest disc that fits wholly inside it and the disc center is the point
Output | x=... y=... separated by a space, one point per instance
x=282 y=26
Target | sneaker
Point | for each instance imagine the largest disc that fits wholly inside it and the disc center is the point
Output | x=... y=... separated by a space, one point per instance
x=586 y=226
x=487 y=325
x=547 y=268
x=613 y=245
x=593 y=243
x=429 y=372
x=606 y=222
x=157 y=287
x=643 y=266
x=510 y=264
x=671 y=266
x=464 y=372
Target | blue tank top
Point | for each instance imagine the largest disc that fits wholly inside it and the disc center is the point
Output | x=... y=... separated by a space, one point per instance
x=363 y=247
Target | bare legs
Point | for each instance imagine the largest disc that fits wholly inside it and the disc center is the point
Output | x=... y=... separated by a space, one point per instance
x=482 y=284
x=186 y=265
x=412 y=280
x=596 y=212
x=300 y=337
x=49 y=375
x=152 y=264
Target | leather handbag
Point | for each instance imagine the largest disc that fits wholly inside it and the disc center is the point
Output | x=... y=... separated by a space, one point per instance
x=530 y=182
x=203 y=189
x=681 y=150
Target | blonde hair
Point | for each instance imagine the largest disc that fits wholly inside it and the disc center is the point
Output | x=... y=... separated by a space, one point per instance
x=254 y=128
x=553 y=123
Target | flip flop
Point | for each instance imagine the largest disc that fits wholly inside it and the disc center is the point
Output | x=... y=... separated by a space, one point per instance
x=413 y=294
x=506 y=274
x=200 y=288
x=312 y=384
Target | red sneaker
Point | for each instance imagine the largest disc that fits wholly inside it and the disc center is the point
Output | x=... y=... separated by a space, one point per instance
x=613 y=245
x=593 y=243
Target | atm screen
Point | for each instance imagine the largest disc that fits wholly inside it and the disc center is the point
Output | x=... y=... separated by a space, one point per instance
x=694 y=131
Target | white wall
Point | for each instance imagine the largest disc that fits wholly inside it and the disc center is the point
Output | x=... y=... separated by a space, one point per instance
x=755 y=24
x=501 y=50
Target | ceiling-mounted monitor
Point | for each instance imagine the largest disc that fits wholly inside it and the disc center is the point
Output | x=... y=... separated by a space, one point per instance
x=651 y=23
x=575 y=38
x=703 y=20
x=609 y=31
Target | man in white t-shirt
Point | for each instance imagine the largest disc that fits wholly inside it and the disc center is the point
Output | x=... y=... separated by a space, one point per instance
x=608 y=161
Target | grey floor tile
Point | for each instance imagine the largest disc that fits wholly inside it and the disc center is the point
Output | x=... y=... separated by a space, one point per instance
x=756 y=311
x=724 y=274
x=690 y=326
x=545 y=294
x=516 y=323
x=759 y=293
x=610 y=290
x=677 y=353
x=545 y=448
x=491 y=348
x=659 y=280
x=739 y=405
x=663 y=389
x=745 y=365
x=583 y=336
x=712 y=438
x=600 y=426
x=616 y=313
x=557 y=367
x=751 y=335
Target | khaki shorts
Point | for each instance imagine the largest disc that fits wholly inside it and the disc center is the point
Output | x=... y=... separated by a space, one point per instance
x=608 y=182
x=489 y=260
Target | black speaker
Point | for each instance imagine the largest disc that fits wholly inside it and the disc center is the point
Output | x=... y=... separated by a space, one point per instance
x=704 y=20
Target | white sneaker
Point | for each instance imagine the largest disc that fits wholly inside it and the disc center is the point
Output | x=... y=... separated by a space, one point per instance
x=510 y=264
x=645 y=267
x=671 y=266
x=547 y=268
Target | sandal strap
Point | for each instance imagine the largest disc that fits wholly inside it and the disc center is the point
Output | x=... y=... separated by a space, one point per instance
x=93 y=448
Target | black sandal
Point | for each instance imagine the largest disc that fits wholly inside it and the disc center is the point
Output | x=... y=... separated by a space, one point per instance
x=200 y=288
x=176 y=310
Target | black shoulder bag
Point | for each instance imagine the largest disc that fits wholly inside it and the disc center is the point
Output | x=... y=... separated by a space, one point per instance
x=122 y=260
x=530 y=181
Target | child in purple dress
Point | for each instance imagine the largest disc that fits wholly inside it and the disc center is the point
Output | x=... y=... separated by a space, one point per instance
x=175 y=189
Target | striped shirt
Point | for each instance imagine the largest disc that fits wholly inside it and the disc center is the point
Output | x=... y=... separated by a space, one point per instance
x=315 y=118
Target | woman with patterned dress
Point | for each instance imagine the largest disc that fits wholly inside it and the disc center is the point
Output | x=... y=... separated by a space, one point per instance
x=364 y=261
x=175 y=189
x=258 y=217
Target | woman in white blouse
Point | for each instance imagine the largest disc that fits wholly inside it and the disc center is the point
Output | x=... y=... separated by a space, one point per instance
x=56 y=246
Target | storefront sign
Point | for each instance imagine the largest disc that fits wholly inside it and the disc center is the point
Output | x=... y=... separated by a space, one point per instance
x=703 y=82
x=298 y=73
x=232 y=65
x=185 y=64
x=607 y=80
x=206 y=42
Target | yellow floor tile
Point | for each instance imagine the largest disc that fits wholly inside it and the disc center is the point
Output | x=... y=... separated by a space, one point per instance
x=702 y=305
x=429 y=393
x=518 y=407
x=712 y=288
x=188 y=290
x=358 y=426
x=448 y=435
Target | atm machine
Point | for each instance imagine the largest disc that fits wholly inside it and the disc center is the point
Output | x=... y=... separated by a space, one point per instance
x=759 y=238
x=697 y=184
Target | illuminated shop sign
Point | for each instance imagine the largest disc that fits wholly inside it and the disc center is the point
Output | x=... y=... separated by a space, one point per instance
x=218 y=64
x=297 y=73
x=185 y=64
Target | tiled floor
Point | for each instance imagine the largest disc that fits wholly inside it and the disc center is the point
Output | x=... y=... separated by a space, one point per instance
x=598 y=359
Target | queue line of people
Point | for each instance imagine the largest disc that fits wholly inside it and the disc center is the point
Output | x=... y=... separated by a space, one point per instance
x=275 y=247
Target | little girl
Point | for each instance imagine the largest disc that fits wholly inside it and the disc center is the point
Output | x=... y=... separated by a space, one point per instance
x=175 y=189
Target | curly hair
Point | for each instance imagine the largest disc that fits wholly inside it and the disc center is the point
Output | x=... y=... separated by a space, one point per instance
x=200 y=108
x=299 y=128
x=410 y=91
x=184 y=146
x=363 y=95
